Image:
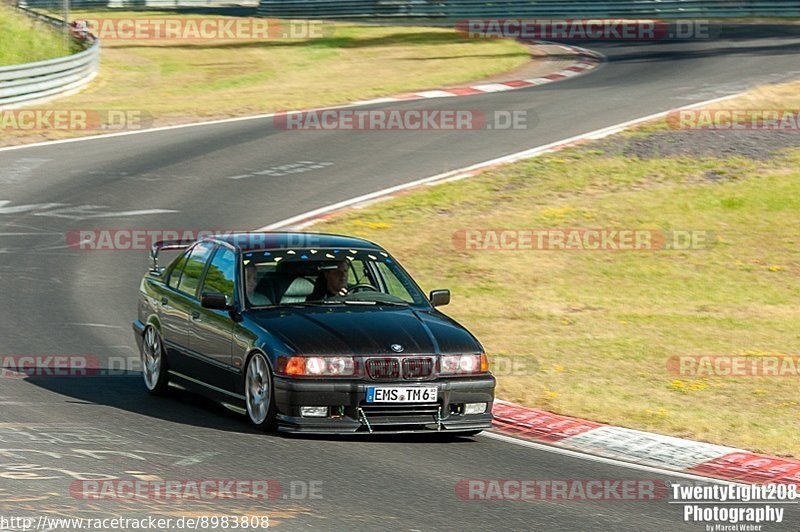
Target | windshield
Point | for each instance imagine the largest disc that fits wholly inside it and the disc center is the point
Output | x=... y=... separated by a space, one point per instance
x=317 y=276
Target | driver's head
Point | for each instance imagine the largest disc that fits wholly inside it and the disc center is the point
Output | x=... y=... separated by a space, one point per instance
x=335 y=274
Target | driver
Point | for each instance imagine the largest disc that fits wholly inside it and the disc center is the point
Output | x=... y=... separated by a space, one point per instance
x=257 y=299
x=332 y=281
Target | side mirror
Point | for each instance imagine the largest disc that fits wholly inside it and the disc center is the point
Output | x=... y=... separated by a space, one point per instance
x=214 y=301
x=440 y=298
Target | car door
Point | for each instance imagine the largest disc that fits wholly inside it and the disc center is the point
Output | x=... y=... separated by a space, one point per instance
x=179 y=301
x=174 y=318
x=211 y=331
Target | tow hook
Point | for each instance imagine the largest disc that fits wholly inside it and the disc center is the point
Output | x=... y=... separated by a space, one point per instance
x=363 y=418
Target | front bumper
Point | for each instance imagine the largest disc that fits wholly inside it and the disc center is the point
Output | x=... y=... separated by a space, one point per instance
x=347 y=401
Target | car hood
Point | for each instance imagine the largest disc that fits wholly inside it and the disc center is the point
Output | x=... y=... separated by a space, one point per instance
x=365 y=331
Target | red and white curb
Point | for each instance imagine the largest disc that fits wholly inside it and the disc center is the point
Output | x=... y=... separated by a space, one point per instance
x=643 y=448
x=586 y=60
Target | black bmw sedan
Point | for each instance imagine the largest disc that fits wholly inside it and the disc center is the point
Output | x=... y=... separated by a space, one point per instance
x=309 y=332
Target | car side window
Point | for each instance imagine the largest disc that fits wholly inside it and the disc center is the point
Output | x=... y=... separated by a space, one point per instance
x=221 y=274
x=177 y=270
x=194 y=269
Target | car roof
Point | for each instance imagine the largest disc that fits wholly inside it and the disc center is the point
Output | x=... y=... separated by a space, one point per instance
x=257 y=240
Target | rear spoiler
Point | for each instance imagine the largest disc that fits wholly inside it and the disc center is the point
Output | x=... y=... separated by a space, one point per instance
x=168 y=245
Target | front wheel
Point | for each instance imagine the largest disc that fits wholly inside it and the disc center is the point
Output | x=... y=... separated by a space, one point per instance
x=154 y=363
x=258 y=393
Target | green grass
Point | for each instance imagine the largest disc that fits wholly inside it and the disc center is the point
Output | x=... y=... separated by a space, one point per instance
x=597 y=328
x=178 y=81
x=25 y=40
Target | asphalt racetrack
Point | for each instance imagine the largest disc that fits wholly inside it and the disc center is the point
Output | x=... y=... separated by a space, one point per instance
x=60 y=300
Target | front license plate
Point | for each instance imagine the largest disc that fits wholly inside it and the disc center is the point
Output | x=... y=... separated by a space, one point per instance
x=377 y=394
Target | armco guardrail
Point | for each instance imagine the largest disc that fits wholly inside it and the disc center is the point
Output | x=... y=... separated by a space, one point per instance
x=460 y=9
x=134 y=5
x=43 y=79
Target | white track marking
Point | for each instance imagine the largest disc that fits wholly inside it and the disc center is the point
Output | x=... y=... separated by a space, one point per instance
x=647 y=448
x=21 y=169
x=537 y=81
x=280 y=170
x=434 y=94
x=144 y=212
x=469 y=171
x=4 y=209
x=492 y=87
x=388 y=99
x=102 y=325
x=601 y=459
x=142 y=131
x=179 y=126
x=74 y=212
x=438 y=93
x=31 y=234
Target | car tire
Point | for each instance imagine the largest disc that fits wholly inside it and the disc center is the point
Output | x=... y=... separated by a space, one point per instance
x=155 y=369
x=259 y=394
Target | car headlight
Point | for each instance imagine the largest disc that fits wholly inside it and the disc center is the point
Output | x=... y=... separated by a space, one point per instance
x=316 y=366
x=464 y=364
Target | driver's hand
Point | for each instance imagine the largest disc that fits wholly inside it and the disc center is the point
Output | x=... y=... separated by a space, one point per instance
x=343 y=291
